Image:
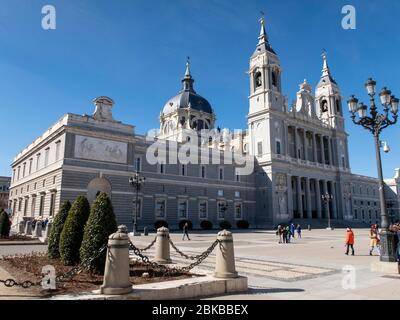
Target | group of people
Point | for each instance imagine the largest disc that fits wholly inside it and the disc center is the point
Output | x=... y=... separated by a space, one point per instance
x=374 y=239
x=287 y=233
x=43 y=222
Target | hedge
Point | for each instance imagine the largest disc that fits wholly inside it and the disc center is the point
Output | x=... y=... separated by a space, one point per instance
x=5 y=224
x=206 y=225
x=56 y=229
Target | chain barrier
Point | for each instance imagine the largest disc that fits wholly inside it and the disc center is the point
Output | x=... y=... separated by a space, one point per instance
x=184 y=255
x=173 y=270
x=84 y=265
x=150 y=245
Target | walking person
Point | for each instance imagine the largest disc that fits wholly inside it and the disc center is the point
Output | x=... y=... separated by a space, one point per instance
x=298 y=231
x=284 y=234
x=349 y=241
x=288 y=234
x=185 y=231
x=292 y=229
x=373 y=235
x=279 y=233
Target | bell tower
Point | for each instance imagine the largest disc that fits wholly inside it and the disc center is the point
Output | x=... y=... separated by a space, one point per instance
x=328 y=99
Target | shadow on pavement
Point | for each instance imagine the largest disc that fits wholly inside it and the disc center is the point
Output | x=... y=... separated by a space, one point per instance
x=273 y=290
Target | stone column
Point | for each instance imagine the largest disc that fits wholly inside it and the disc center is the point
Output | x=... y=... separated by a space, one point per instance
x=224 y=256
x=290 y=195
x=334 y=200
x=314 y=148
x=322 y=149
x=318 y=198
x=116 y=272
x=295 y=143
x=330 y=151
x=299 y=198
x=286 y=138
x=308 y=193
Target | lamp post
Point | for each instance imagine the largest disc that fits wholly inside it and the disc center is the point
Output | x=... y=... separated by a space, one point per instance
x=375 y=123
x=326 y=198
x=136 y=181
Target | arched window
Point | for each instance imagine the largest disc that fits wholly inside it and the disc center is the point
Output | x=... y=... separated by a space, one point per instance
x=274 y=79
x=337 y=106
x=324 y=106
x=257 y=79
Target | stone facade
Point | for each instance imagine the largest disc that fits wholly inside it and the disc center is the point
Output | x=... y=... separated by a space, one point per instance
x=299 y=153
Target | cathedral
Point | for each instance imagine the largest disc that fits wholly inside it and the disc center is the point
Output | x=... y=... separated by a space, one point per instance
x=296 y=154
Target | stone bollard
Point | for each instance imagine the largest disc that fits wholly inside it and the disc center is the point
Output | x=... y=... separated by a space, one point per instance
x=28 y=228
x=21 y=227
x=225 y=257
x=145 y=231
x=162 y=246
x=38 y=229
x=47 y=231
x=116 y=272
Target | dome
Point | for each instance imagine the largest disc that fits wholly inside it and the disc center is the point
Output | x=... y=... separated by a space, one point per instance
x=187 y=97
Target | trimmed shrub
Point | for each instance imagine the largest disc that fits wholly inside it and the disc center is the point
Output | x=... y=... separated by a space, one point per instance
x=160 y=223
x=100 y=224
x=225 y=224
x=206 y=225
x=72 y=234
x=56 y=229
x=242 y=224
x=182 y=223
x=5 y=224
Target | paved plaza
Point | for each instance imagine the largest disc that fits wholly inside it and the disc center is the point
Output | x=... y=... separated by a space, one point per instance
x=308 y=268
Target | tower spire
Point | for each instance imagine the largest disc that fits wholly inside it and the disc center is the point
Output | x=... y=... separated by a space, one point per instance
x=325 y=68
x=263 y=38
x=187 y=80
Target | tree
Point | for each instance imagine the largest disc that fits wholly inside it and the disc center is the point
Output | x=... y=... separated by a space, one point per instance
x=72 y=233
x=56 y=229
x=5 y=224
x=101 y=223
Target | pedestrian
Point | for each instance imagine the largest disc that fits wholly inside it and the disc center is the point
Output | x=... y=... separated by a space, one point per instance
x=288 y=234
x=298 y=231
x=46 y=221
x=373 y=235
x=279 y=233
x=349 y=241
x=284 y=234
x=292 y=229
x=185 y=231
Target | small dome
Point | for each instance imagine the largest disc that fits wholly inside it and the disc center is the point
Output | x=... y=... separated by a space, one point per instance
x=187 y=99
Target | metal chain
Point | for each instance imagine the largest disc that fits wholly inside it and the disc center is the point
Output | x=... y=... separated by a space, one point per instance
x=181 y=253
x=150 y=245
x=67 y=275
x=172 y=270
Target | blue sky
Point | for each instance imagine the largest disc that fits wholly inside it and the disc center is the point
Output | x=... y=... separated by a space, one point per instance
x=134 y=51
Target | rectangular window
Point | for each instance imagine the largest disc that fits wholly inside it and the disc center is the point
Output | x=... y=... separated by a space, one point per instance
x=41 y=205
x=183 y=170
x=139 y=208
x=343 y=162
x=182 y=209
x=52 y=204
x=160 y=208
x=237 y=194
x=13 y=175
x=220 y=193
x=30 y=165
x=221 y=207
x=259 y=149
x=203 y=209
x=33 y=205
x=34 y=186
x=58 y=147
x=46 y=157
x=19 y=205
x=54 y=179
x=238 y=211
x=27 y=188
x=44 y=183
x=203 y=172
x=23 y=169
x=19 y=170
x=221 y=173
x=37 y=161
x=278 y=147
x=138 y=164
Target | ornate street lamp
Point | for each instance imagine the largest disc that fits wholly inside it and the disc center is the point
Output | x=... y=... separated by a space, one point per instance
x=136 y=181
x=375 y=123
x=326 y=198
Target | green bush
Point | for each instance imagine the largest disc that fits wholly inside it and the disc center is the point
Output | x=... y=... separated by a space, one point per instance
x=242 y=224
x=160 y=223
x=225 y=224
x=5 y=224
x=182 y=223
x=72 y=233
x=206 y=225
x=100 y=224
x=56 y=229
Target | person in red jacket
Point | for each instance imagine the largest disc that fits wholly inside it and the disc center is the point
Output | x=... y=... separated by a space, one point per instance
x=349 y=241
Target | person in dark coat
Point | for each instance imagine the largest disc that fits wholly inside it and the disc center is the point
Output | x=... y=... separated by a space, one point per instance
x=185 y=231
